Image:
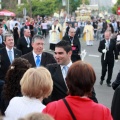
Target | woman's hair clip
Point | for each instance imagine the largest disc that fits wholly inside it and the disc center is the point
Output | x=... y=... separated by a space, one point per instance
x=12 y=67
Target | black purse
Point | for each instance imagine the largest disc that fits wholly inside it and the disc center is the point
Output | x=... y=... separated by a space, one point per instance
x=69 y=109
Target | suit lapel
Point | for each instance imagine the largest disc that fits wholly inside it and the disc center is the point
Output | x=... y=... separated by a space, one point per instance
x=43 y=60
x=31 y=59
x=15 y=53
x=6 y=56
x=59 y=80
x=24 y=41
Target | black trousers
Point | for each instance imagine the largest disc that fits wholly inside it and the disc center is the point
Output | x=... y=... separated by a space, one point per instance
x=44 y=32
x=107 y=65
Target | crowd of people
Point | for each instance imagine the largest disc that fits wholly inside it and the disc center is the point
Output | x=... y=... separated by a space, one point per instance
x=37 y=83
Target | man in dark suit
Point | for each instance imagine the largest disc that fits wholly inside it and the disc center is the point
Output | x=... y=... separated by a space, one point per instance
x=75 y=43
x=108 y=49
x=63 y=52
x=7 y=55
x=67 y=28
x=37 y=57
x=77 y=30
x=1 y=38
x=24 y=43
x=95 y=26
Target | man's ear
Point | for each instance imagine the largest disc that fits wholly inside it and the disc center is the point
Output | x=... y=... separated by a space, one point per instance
x=70 y=53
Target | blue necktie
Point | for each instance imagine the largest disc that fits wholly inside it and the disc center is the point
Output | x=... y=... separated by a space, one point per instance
x=0 y=39
x=37 y=61
x=10 y=56
x=65 y=70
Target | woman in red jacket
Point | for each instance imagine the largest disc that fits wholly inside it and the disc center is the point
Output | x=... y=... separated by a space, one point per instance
x=80 y=80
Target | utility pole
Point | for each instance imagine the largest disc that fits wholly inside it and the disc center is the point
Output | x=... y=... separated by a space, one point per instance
x=19 y=2
x=30 y=8
x=68 y=7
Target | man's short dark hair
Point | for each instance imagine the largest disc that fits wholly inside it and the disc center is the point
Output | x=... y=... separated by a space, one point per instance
x=65 y=45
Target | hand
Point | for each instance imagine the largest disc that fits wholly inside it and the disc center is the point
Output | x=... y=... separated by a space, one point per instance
x=116 y=61
x=104 y=50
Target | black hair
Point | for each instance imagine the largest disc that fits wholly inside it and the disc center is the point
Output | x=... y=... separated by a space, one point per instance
x=65 y=45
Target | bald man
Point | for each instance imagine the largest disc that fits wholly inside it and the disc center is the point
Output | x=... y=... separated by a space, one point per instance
x=108 y=49
x=75 y=44
x=24 y=43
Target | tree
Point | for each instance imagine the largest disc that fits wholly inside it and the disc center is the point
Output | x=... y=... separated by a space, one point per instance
x=114 y=8
x=76 y=3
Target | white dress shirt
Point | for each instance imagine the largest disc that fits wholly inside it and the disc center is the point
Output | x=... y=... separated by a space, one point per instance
x=63 y=71
x=34 y=55
x=22 y=106
x=11 y=51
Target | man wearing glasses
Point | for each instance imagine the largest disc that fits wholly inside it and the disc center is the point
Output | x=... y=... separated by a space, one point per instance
x=75 y=44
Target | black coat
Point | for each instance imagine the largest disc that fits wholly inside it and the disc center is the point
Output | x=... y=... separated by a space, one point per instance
x=59 y=87
x=76 y=43
x=78 y=32
x=46 y=58
x=3 y=44
x=112 y=50
x=22 y=45
x=116 y=83
x=115 y=107
x=5 y=62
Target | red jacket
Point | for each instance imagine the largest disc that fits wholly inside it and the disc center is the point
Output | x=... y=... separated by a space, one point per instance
x=83 y=109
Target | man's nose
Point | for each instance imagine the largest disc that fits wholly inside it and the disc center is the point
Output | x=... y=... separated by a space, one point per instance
x=56 y=56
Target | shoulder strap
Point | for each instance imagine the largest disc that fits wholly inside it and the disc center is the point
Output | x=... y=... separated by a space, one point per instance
x=69 y=109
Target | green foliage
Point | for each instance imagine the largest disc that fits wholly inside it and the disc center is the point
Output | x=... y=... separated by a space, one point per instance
x=46 y=7
x=114 y=8
x=76 y=3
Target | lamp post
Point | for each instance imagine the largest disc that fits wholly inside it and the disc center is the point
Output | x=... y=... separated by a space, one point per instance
x=30 y=8
x=68 y=7
x=19 y=2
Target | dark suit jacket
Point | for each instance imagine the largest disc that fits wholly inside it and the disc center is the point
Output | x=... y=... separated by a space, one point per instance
x=104 y=27
x=67 y=30
x=59 y=86
x=76 y=43
x=47 y=58
x=115 y=107
x=3 y=44
x=22 y=45
x=116 y=83
x=112 y=50
x=5 y=62
x=78 y=32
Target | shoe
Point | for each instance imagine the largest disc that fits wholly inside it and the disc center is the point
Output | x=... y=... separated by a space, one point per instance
x=109 y=85
x=101 y=82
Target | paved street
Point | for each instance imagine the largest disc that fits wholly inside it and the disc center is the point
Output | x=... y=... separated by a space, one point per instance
x=104 y=93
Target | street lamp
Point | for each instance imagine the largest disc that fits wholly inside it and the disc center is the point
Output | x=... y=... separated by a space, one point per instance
x=68 y=7
x=30 y=8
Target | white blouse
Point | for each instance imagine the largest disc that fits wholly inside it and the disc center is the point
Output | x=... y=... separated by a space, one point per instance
x=21 y=106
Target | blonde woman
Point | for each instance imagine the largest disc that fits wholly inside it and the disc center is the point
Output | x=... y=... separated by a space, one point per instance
x=36 y=85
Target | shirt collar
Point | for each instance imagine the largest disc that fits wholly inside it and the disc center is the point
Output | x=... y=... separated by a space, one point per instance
x=68 y=65
x=34 y=54
x=107 y=40
x=9 y=49
x=26 y=37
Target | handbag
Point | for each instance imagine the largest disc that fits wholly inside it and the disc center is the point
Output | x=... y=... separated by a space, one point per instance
x=69 y=109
